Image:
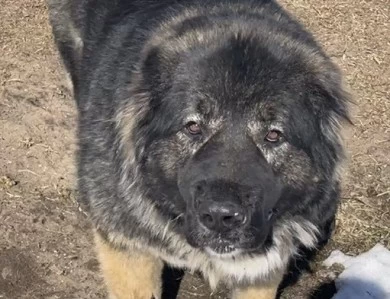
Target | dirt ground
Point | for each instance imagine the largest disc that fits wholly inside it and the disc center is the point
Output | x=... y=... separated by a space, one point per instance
x=45 y=241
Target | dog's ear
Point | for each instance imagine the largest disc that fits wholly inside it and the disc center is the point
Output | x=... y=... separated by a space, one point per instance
x=336 y=95
x=331 y=101
x=133 y=112
x=142 y=99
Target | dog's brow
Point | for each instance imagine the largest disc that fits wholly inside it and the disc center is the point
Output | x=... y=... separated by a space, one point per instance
x=276 y=126
x=193 y=117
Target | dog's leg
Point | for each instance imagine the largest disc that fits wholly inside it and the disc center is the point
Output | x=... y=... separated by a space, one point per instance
x=129 y=275
x=267 y=291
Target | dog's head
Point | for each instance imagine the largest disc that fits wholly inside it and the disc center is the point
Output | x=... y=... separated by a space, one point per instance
x=235 y=133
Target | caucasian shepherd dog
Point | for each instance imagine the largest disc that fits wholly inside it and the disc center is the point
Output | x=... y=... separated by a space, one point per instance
x=209 y=138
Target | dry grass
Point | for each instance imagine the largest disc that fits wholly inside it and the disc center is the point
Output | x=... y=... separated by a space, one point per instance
x=361 y=224
x=37 y=145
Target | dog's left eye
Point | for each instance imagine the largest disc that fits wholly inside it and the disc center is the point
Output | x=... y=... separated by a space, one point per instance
x=194 y=128
x=273 y=136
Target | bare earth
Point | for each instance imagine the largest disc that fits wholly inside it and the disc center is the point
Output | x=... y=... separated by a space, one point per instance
x=46 y=249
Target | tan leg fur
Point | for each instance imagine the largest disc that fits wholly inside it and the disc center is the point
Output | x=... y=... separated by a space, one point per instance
x=129 y=275
x=257 y=292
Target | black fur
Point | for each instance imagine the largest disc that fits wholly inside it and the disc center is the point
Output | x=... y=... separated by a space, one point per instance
x=245 y=68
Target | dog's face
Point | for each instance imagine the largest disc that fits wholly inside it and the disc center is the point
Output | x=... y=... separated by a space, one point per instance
x=236 y=137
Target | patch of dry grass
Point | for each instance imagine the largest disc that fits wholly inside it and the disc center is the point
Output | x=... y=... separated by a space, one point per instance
x=362 y=224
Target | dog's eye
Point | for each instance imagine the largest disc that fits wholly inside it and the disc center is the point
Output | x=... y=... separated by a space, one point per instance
x=273 y=136
x=193 y=128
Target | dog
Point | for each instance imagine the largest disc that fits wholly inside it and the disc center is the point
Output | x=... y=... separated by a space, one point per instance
x=209 y=138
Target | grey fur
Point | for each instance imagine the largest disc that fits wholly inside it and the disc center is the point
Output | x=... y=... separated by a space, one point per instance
x=106 y=48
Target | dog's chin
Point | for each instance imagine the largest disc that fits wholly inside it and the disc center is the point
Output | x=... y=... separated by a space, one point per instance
x=223 y=249
x=217 y=248
x=226 y=249
x=225 y=252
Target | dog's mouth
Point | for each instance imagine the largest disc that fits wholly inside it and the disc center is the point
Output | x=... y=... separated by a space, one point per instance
x=225 y=251
x=222 y=248
x=231 y=243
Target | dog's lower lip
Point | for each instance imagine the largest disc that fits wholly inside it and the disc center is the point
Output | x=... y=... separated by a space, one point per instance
x=221 y=251
x=221 y=247
x=230 y=253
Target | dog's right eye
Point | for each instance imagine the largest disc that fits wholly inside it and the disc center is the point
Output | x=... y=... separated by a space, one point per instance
x=273 y=136
x=194 y=128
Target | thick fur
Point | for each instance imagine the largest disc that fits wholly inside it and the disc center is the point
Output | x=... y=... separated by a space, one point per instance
x=141 y=70
x=260 y=292
x=132 y=275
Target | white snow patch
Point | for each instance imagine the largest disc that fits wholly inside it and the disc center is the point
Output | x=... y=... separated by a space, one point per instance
x=366 y=276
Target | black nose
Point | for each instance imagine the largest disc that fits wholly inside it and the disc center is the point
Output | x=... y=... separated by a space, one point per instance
x=221 y=216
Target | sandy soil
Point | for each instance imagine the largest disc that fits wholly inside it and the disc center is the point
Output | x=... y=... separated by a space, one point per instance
x=45 y=241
